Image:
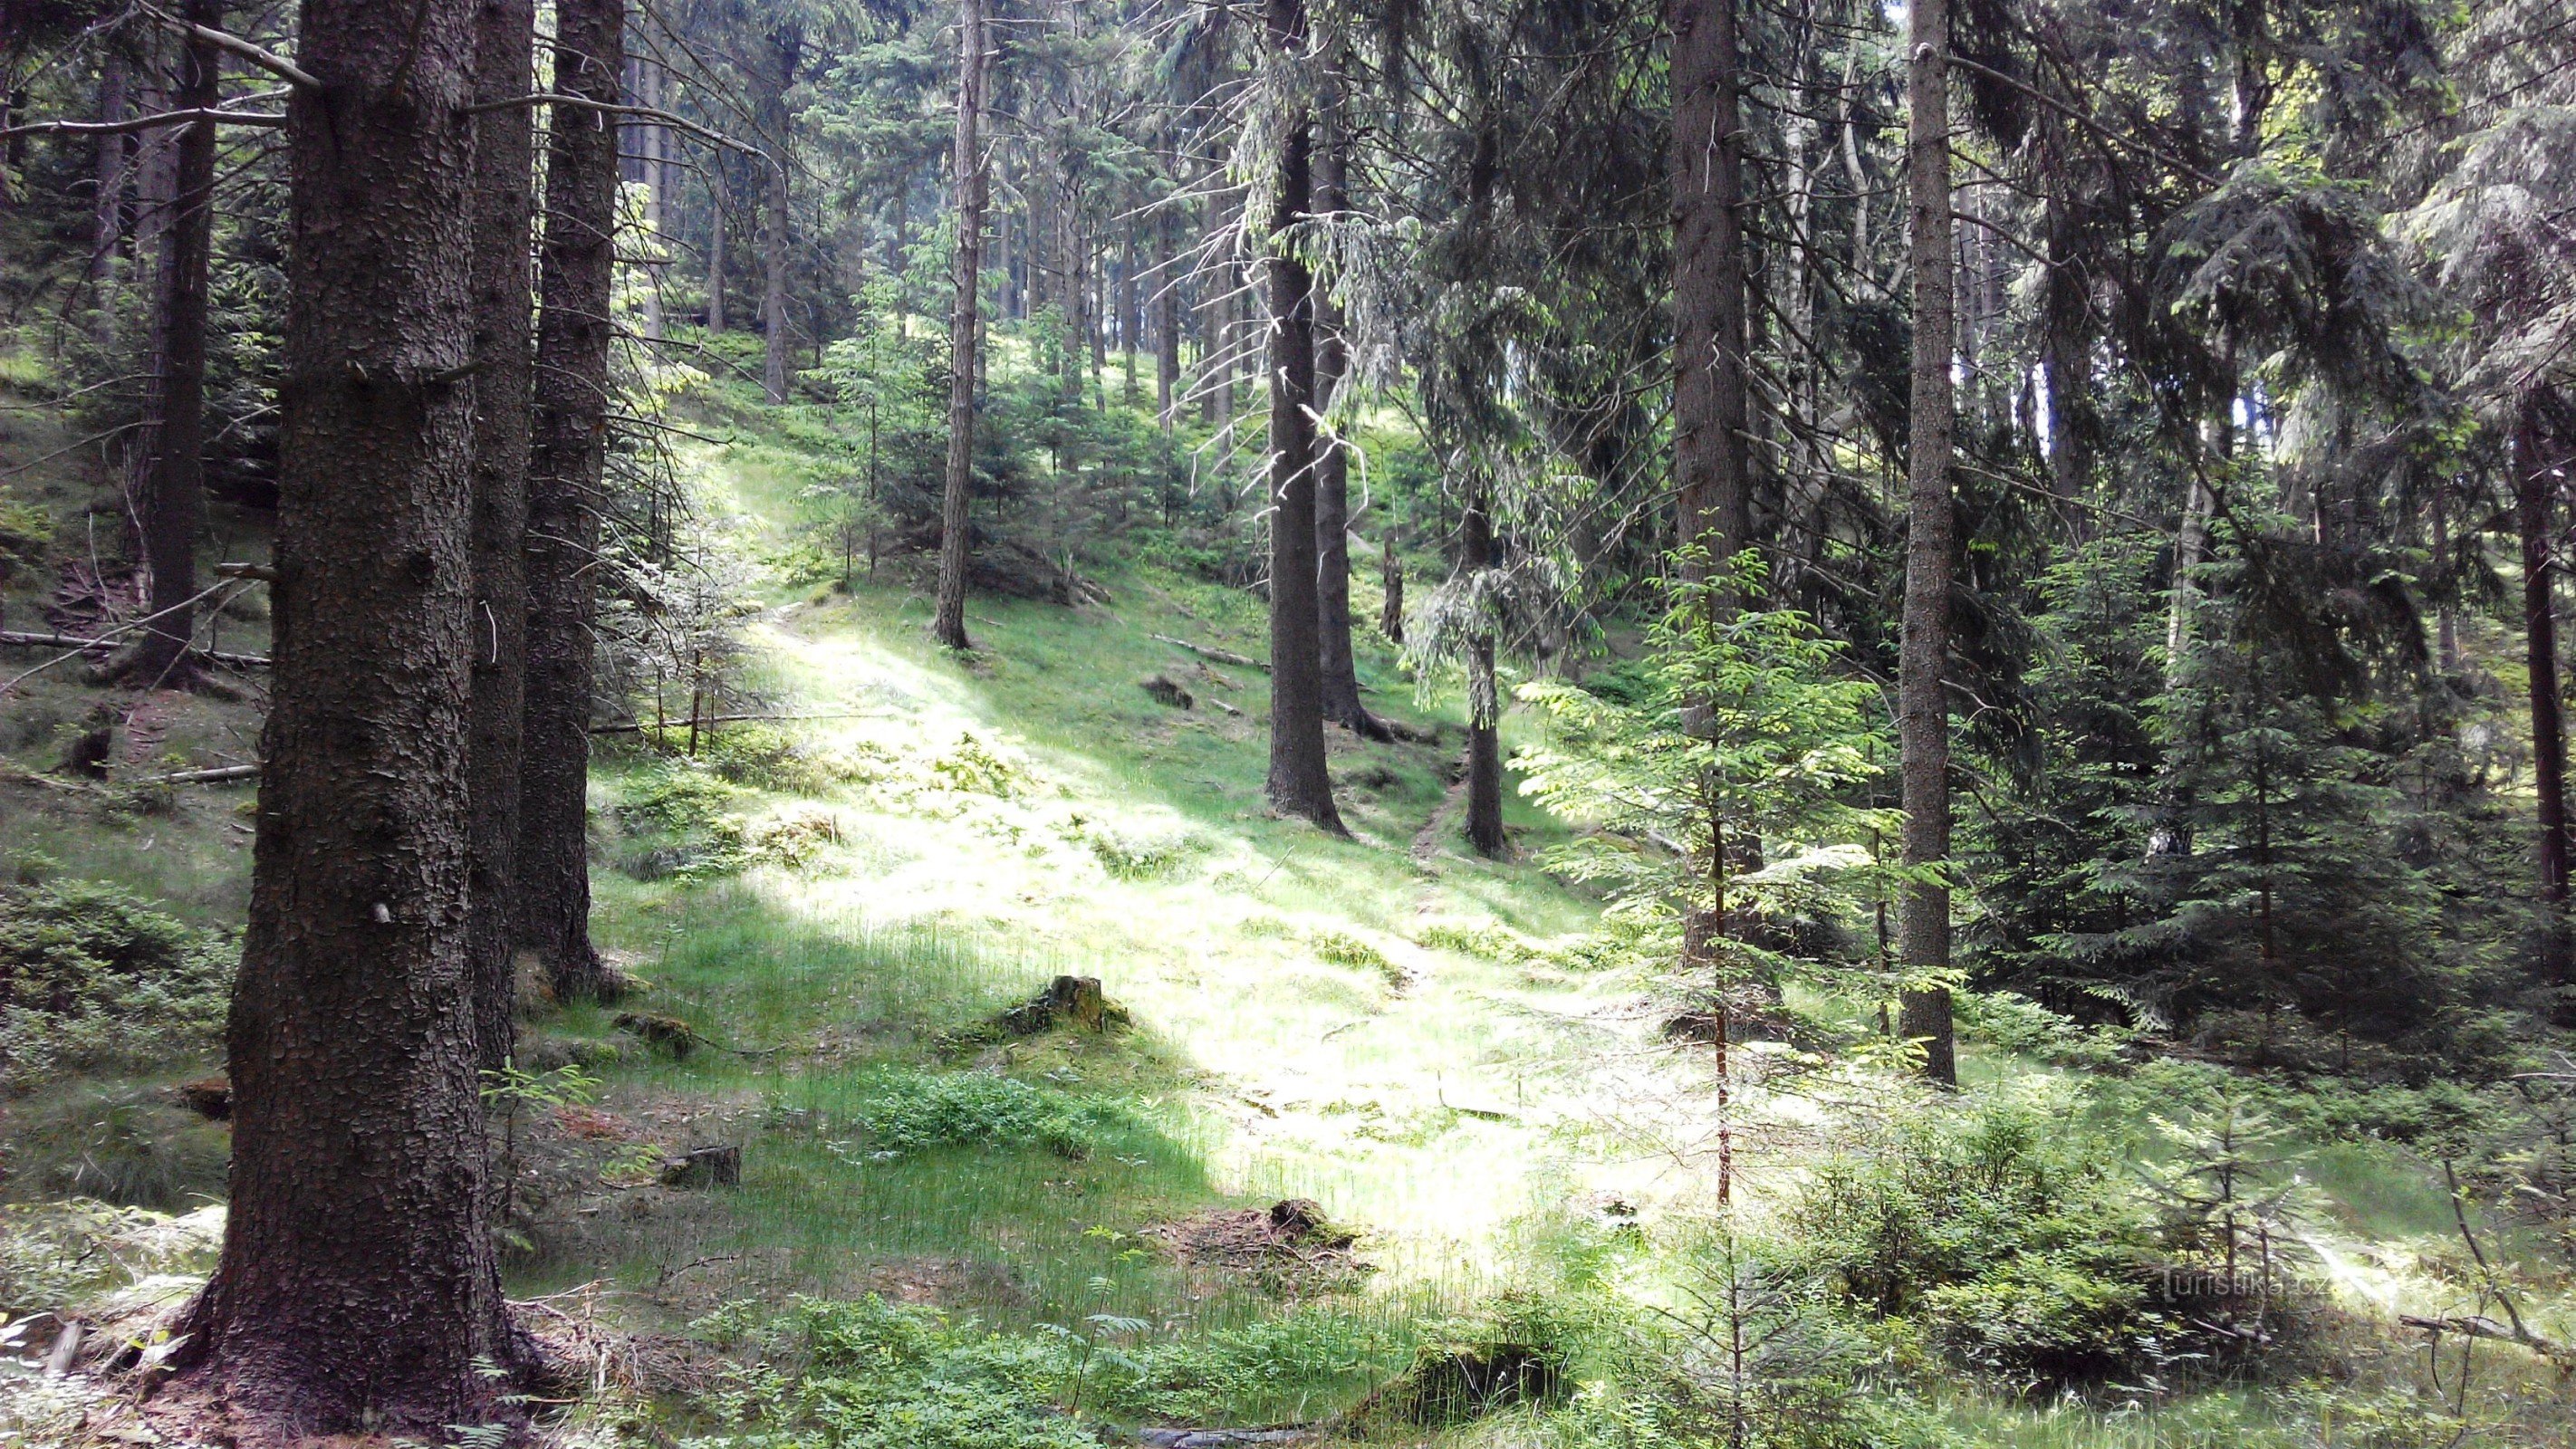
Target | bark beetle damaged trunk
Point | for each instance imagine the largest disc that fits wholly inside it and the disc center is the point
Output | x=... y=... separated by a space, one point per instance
x=355 y=1285
x=551 y=913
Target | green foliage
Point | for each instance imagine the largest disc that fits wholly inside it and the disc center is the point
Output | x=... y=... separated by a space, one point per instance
x=2015 y=1023
x=1744 y=734
x=913 y=1112
x=91 y=978
x=2009 y=1238
x=127 y=1145
x=56 y=1256
x=26 y=533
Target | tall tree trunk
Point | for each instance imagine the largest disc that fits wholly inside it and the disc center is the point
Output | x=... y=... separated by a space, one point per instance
x=656 y=139
x=1390 y=577
x=948 y=624
x=1923 y=709
x=1710 y=452
x=2536 y=490
x=786 y=52
x=1484 y=699
x=1300 y=782
x=551 y=914
x=176 y=504
x=2066 y=329
x=353 y=1290
x=504 y=163
x=1130 y=316
x=107 y=205
x=716 y=243
x=1167 y=322
x=1710 y=459
x=1340 y=669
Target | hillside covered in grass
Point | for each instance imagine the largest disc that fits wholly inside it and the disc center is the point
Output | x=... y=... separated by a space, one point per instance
x=949 y=1228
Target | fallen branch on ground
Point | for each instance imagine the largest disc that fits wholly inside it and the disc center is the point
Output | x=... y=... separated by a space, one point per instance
x=637 y=727
x=1221 y=656
x=21 y=640
x=2481 y=1326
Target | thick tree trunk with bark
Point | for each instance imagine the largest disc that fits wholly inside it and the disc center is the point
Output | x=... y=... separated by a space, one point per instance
x=175 y=505
x=107 y=203
x=551 y=913
x=1167 y=322
x=1300 y=782
x=2536 y=489
x=1390 y=578
x=948 y=622
x=504 y=157
x=1484 y=701
x=353 y=1294
x=786 y=54
x=1923 y=709
x=715 y=243
x=1710 y=459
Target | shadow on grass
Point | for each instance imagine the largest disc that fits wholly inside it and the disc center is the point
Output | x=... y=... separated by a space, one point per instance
x=832 y=1022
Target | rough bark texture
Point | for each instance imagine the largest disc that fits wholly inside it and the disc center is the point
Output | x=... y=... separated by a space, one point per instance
x=1484 y=703
x=353 y=1288
x=504 y=154
x=1711 y=462
x=715 y=244
x=551 y=914
x=1390 y=576
x=948 y=621
x=1300 y=782
x=2535 y=498
x=1340 y=669
x=1167 y=321
x=1709 y=407
x=107 y=203
x=175 y=511
x=786 y=52
x=1922 y=703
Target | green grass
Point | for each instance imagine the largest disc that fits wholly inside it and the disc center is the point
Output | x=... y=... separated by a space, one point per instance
x=1361 y=1022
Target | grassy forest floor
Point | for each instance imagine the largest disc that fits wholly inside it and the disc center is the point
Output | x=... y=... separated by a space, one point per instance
x=840 y=904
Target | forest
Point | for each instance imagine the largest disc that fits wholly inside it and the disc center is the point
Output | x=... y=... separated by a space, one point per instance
x=1499 y=724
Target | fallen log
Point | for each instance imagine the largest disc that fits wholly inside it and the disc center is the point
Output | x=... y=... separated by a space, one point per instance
x=1221 y=656
x=24 y=640
x=637 y=727
x=213 y=775
x=2480 y=1326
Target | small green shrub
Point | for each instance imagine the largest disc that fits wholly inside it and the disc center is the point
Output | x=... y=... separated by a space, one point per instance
x=680 y=798
x=1484 y=940
x=874 y=1375
x=92 y=978
x=1347 y=950
x=132 y=1146
x=2010 y=1238
x=913 y=1112
x=2015 y=1023
x=1135 y=857
x=25 y=536
x=769 y=758
x=57 y=1255
x=974 y=767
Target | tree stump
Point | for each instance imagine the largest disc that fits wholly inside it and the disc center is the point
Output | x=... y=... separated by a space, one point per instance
x=704 y=1167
